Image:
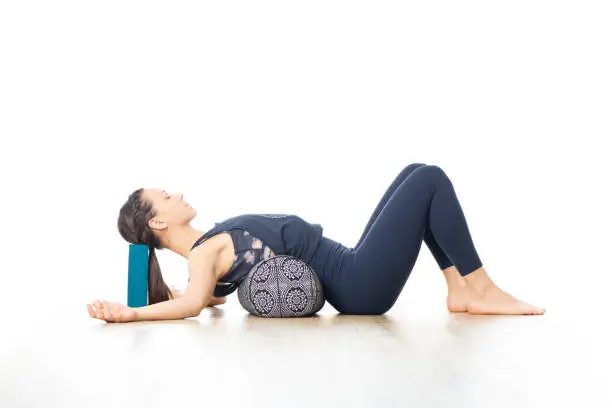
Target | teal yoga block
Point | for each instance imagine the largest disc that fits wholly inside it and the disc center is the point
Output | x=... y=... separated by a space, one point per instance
x=138 y=276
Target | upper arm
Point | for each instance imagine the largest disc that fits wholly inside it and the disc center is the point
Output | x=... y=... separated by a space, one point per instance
x=202 y=281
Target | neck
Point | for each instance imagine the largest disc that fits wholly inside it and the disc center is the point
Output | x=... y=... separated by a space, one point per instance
x=181 y=238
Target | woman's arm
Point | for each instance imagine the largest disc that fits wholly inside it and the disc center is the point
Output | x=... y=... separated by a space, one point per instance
x=197 y=296
x=176 y=293
x=168 y=310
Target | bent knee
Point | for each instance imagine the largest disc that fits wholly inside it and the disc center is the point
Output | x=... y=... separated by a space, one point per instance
x=433 y=172
x=413 y=166
x=434 y=168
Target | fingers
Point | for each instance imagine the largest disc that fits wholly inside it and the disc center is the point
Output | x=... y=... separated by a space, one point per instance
x=111 y=312
x=114 y=312
x=106 y=312
x=96 y=307
x=91 y=311
x=103 y=310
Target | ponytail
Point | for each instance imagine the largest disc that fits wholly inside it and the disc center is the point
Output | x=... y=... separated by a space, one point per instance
x=158 y=290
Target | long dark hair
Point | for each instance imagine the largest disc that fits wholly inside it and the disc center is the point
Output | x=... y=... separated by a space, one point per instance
x=133 y=224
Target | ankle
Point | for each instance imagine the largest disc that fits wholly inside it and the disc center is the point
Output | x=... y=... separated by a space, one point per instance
x=479 y=281
x=454 y=281
x=457 y=285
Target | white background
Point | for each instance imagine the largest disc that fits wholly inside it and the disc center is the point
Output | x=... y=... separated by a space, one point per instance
x=310 y=108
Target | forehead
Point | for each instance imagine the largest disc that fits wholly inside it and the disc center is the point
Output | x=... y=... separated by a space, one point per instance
x=154 y=194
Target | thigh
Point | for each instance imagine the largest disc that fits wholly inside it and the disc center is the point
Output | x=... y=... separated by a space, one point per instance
x=382 y=263
x=407 y=171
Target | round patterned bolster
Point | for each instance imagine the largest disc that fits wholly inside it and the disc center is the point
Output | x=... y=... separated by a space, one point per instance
x=281 y=286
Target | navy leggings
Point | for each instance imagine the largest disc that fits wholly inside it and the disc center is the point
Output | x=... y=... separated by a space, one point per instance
x=420 y=205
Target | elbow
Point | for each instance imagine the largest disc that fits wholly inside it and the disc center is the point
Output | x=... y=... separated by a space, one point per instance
x=194 y=312
x=197 y=309
x=194 y=309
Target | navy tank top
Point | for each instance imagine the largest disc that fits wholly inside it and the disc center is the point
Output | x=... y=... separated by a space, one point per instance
x=248 y=250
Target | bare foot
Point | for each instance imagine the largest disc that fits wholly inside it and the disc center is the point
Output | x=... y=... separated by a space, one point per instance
x=457 y=299
x=495 y=301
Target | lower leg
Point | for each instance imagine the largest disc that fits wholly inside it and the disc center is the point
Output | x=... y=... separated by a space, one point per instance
x=470 y=287
x=458 y=291
x=454 y=280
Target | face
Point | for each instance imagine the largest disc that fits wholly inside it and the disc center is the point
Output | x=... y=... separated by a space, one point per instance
x=171 y=210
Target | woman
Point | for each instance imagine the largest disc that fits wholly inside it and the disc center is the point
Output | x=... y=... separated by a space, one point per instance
x=420 y=205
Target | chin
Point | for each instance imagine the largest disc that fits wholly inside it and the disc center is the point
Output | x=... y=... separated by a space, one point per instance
x=192 y=215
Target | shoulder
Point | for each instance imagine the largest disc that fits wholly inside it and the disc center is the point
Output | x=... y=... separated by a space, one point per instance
x=209 y=252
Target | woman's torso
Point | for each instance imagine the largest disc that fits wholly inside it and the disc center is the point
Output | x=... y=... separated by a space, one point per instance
x=230 y=245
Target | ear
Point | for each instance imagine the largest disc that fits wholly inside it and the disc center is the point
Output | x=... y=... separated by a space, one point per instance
x=157 y=223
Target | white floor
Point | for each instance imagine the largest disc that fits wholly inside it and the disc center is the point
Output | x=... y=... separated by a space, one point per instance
x=416 y=355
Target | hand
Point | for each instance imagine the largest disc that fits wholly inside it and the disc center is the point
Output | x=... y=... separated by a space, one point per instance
x=111 y=312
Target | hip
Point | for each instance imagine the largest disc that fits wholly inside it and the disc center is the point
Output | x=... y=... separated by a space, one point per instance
x=331 y=261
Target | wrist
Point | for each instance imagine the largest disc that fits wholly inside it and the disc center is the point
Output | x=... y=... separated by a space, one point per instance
x=136 y=317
